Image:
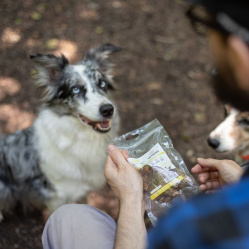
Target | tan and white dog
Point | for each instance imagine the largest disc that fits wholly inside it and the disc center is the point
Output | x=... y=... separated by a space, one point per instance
x=232 y=135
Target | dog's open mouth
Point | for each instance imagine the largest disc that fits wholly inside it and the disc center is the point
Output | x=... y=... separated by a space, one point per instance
x=101 y=126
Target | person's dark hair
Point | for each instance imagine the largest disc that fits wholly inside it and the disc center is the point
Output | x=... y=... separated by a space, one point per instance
x=202 y=20
x=229 y=17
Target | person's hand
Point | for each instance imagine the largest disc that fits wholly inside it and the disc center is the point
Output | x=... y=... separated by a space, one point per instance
x=127 y=184
x=125 y=181
x=213 y=173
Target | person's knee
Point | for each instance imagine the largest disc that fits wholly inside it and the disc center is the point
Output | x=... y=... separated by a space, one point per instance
x=82 y=224
x=79 y=213
x=72 y=212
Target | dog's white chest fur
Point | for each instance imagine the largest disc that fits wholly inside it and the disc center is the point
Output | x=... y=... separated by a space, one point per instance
x=72 y=155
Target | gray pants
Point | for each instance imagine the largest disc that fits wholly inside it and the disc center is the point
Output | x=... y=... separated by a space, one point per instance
x=78 y=226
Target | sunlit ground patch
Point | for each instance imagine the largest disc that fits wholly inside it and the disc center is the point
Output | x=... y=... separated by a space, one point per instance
x=10 y=37
x=8 y=86
x=14 y=118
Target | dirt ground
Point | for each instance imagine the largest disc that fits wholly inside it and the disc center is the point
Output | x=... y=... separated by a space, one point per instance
x=162 y=72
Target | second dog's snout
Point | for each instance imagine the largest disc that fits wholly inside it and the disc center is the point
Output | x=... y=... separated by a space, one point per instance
x=106 y=110
x=214 y=143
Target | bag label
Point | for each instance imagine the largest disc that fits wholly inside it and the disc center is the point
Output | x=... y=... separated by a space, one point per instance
x=156 y=156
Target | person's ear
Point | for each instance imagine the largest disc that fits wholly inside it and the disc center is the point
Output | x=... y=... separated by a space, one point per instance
x=238 y=56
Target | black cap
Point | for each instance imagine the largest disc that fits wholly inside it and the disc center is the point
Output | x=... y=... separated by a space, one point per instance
x=232 y=15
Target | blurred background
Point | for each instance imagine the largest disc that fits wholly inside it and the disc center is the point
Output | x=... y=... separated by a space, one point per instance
x=162 y=72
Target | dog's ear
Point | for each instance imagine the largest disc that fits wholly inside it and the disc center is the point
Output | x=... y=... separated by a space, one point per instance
x=100 y=55
x=227 y=110
x=49 y=69
x=49 y=66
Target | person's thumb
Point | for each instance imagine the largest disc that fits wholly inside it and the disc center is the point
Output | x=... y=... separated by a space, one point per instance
x=110 y=168
x=116 y=156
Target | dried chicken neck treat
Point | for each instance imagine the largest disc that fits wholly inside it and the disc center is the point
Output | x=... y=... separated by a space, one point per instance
x=153 y=179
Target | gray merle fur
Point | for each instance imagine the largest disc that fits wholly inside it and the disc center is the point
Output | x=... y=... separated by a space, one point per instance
x=21 y=179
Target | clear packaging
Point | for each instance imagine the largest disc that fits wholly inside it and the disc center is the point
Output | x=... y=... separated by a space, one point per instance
x=165 y=175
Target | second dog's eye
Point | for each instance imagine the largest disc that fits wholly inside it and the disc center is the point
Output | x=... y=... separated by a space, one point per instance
x=244 y=122
x=76 y=89
x=102 y=84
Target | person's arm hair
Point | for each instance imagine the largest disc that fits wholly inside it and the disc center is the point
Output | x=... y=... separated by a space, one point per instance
x=131 y=231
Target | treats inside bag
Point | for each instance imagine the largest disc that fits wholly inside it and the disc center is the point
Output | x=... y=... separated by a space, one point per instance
x=165 y=175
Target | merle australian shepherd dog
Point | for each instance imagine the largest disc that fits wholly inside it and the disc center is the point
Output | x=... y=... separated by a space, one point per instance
x=61 y=157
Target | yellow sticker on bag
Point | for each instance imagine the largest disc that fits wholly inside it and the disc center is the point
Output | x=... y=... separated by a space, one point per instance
x=165 y=187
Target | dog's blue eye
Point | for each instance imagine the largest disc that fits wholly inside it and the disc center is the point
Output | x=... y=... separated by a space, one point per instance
x=76 y=90
x=102 y=84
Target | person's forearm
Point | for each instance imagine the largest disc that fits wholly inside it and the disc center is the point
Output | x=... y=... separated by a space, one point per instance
x=131 y=231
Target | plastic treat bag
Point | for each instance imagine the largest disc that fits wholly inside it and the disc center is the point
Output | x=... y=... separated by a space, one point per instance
x=165 y=175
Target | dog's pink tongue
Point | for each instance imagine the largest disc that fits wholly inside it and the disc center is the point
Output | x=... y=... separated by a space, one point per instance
x=104 y=124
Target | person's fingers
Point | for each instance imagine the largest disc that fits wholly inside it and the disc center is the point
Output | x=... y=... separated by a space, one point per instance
x=197 y=169
x=125 y=154
x=211 y=175
x=203 y=187
x=210 y=162
x=212 y=185
x=116 y=156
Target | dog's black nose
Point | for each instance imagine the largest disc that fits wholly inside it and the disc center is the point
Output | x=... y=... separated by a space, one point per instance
x=214 y=143
x=106 y=110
